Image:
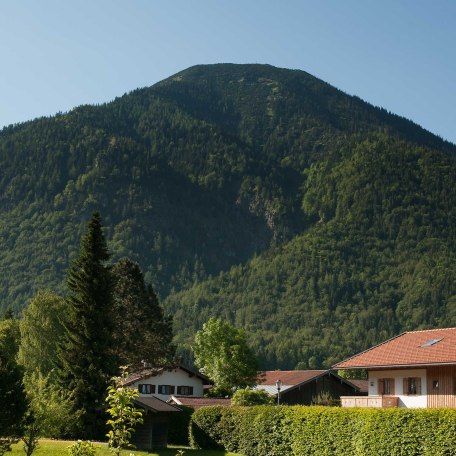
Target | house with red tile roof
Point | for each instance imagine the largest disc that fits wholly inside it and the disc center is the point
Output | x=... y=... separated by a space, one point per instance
x=416 y=369
x=304 y=386
x=163 y=382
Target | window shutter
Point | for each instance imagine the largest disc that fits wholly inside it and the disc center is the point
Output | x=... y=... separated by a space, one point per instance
x=172 y=389
x=418 y=385
x=392 y=386
x=381 y=386
x=405 y=388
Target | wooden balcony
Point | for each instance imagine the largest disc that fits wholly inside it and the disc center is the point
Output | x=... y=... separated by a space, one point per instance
x=369 y=401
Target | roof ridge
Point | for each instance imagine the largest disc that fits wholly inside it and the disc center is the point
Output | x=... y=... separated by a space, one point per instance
x=295 y=370
x=427 y=330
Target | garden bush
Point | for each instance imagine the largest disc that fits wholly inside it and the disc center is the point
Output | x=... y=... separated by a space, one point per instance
x=204 y=428
x=82 y=448
x=179 y=426
x=325 y=431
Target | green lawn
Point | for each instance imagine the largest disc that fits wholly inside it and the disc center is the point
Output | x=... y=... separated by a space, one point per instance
x=58 y=447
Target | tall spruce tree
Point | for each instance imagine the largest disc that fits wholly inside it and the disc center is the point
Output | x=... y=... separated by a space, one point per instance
x=86 y=358
x=142 y=332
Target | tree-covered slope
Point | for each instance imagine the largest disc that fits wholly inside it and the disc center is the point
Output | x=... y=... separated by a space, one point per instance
x=381 y=259
x=224 y=165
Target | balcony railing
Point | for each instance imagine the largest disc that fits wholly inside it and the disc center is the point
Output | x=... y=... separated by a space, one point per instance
x=369 y=401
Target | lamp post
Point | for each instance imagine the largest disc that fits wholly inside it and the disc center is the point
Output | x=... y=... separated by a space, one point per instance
x=278 y=386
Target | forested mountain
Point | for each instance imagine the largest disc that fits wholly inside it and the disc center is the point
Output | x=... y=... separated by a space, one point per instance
x=380 y=259
x=319 y=222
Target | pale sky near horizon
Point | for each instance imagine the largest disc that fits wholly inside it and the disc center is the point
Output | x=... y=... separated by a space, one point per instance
x=397 y=54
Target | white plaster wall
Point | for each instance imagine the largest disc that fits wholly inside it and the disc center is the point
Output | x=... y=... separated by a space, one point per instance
x=398 y=375
x=176 y=377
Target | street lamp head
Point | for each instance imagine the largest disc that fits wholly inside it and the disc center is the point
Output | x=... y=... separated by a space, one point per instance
x=278 y=386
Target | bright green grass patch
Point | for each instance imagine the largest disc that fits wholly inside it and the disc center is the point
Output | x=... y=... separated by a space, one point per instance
x=58 y=448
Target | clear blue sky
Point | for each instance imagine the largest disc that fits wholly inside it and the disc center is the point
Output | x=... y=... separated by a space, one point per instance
x=398 y=54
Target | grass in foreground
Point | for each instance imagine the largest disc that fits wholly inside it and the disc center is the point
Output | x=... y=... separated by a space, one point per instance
x=59 y=447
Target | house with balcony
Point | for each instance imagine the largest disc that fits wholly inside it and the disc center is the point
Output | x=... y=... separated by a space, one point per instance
x=416 y=369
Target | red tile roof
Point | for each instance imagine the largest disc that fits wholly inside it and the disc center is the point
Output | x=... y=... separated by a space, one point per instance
x=142 y=374
x=294 y=377
x=363 y=385
x=407 y=350
x=154 y=371
x=198 y=402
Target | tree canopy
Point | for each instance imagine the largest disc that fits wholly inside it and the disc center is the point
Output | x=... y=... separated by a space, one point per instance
x=142 y=333
x=42 y=328
x=221 y=353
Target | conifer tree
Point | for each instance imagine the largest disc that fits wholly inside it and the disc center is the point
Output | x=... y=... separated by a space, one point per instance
x=142 y=332
x=86 y=359
x=13 y=403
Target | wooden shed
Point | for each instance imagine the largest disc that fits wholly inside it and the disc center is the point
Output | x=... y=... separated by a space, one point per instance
x=153 y=432
x=303 y=387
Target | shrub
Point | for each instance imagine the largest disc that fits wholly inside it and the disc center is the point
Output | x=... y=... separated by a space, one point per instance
x=179 y=426
x=326 y=431
x=325 y=398
x=204 y=432
x=82 y=448
x=254 y=430
x=248 y=396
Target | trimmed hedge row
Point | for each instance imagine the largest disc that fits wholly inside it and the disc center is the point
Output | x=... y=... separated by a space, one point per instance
x=179 y=423
x=325 y=431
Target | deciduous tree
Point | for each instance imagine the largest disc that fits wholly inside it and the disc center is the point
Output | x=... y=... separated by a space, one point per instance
x=42 y=328
x=222 y=353
x=123 y=414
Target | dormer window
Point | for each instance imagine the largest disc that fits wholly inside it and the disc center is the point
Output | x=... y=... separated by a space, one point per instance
x=431 y=342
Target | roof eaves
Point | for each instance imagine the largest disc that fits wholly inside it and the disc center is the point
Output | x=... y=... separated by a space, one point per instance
x=306 y=381
x=137 y=400
x=344 y=380
x=391 y=366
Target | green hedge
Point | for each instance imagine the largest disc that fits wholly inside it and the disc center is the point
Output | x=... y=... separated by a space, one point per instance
x=179 y=423
x=325 y=431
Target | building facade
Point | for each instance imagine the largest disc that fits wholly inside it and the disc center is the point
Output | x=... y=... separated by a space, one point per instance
x=164 y=382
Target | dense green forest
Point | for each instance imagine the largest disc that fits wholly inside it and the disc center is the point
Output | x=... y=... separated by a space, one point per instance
x=316 y=221
x=380 y=259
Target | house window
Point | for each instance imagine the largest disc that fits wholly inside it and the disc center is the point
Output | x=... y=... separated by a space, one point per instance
x=412 y=386
x=185 y=390
x=165 y=389
x=435 y=384
x=146 y=389
x=386 y=386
